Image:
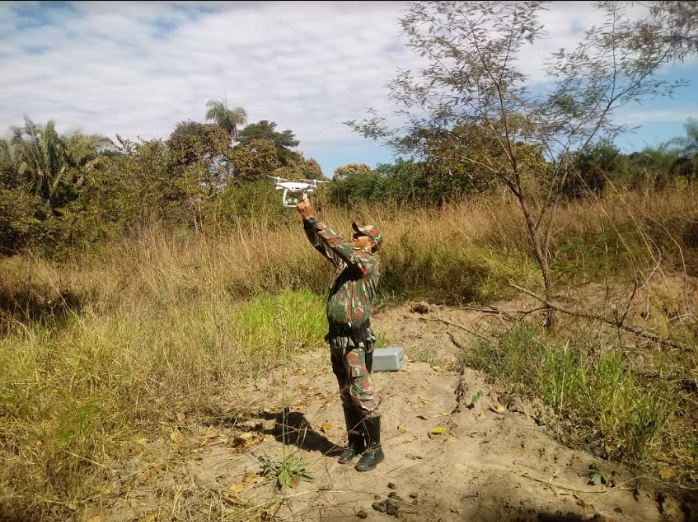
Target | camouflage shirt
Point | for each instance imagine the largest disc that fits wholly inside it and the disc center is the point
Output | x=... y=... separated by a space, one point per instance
x=355 y=282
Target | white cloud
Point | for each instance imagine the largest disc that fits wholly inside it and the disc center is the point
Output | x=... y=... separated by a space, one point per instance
x=136 y=68
x=645 y=116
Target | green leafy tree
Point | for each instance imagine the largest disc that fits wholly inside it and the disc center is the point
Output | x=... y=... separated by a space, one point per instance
x=253 y=201
x=266 y=130
x=17 y=204
x=192 y=142
x=594 y=167
x=9 y=165
x=678 y=21
x=652 y=167
x=312 y=169
x=300 y=168
x=460 y=161
x=407 y=182
x=17 y=219
x=351 y=169
x=200 y=156
x=356 y=186
x=137 y=185
x=255 y=159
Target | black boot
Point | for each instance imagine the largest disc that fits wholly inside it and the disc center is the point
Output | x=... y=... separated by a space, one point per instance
x=373 y=455
x=355 y=434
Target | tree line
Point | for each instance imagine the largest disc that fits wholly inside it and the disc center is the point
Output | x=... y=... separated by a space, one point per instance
x=59 y=192
x=596 y=170
x=62 y=192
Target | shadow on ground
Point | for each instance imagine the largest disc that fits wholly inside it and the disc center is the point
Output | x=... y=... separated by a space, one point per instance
x=290 y=428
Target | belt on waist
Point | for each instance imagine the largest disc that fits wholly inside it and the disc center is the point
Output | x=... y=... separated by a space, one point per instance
x=357 y=331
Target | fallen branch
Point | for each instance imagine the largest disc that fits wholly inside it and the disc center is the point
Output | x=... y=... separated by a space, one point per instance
x=453 y=340
x=509 y=314
x=643 y=477
x=640 y=332
x=559 y=486
x=461 y=387
x=456 y=325
x=611 y=490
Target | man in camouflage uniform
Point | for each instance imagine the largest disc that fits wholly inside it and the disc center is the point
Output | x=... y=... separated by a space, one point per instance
x=350 y=336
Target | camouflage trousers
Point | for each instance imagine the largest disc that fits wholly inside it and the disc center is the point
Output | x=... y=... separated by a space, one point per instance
x=352 y=366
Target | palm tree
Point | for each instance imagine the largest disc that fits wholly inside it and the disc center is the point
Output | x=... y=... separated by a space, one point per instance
x=84 y=152
x=689 y=143
x=41 y=156
x=687 y=162
x=228 y=119
x=656 y=163
x=49 y=161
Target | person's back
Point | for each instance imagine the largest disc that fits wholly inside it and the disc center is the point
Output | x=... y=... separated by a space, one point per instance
x=353 y=289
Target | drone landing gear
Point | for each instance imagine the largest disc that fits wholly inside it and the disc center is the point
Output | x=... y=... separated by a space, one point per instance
x=291 y=202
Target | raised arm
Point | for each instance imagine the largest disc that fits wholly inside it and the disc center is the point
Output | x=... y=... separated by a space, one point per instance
x=357 y=259
x=305 y=208
x=329 y=243
x=310 y=228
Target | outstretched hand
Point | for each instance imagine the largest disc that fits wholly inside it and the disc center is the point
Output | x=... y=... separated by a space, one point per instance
x=305 y=209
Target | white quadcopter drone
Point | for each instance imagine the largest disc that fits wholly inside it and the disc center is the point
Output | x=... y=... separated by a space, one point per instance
x=298 y=189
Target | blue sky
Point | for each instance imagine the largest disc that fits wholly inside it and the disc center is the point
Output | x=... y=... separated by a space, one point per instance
x=137 y=68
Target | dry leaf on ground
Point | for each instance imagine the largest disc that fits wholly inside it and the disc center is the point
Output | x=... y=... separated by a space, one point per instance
x=667 y=473
x=498 y=408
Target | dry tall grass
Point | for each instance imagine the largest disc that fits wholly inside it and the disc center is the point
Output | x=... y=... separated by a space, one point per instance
x=159 y=267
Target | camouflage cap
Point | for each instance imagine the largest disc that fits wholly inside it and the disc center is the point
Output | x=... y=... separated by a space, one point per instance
x=370 y=231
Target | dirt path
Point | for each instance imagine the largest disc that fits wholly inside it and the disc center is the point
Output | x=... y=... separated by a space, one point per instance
x=494 y=462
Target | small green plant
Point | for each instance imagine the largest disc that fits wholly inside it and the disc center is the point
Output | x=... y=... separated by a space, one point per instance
x=476 y=397
x=287 y=472
x=382 y=339
x=596 y=477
